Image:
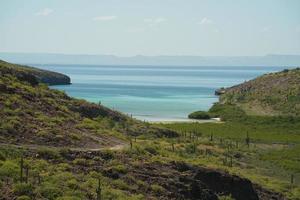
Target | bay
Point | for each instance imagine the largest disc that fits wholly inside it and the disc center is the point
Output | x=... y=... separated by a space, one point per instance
x=153 y=93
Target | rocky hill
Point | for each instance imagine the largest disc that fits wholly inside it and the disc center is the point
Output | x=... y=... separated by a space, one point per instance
x=34 y=75
x=56 y=147
x=33 y=114
x=268 y=95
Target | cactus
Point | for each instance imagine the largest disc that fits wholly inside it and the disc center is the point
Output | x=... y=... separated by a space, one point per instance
x=98 y=190
x=21 y=168
x=39 y=178
x=292 y=179
x=230 y=164
x=26 y=174
x=173 y=148
x=130 y=140
x=248 y=140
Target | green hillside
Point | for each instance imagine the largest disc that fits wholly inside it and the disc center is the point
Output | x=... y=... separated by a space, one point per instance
x=33 y=114
x=34 y=75
x=270 y=94
x=56 y=147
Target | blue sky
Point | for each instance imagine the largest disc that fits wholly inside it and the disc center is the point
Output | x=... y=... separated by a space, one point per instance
x=151 y=27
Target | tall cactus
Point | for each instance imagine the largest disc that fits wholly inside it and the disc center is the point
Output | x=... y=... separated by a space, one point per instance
x=26 y=174
x=248 y=140
x=130 y=143
x=98 y=190
x=21 y=168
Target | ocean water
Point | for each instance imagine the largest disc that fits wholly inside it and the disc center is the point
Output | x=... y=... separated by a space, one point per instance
x=153 y=93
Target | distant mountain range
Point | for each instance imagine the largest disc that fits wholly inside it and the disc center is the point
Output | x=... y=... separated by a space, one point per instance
x=48 y=58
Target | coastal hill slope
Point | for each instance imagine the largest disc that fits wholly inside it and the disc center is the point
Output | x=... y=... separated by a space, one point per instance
x=34 y=74
x=33 y=114
x=268 y=95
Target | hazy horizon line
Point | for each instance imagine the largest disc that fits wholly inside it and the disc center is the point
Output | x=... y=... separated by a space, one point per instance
x=142 y=55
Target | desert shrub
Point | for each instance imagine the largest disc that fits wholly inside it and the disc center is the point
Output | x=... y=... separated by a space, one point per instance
x=68 y=198
x=157 y=188
x=120 y=184
x=120 y=168
x=23 y=189
x=225 y=198
x=107 y=123
x=199 y=115
x=2 y=156
x=23 y=197
x=49 y=191
x=111 y=193
x=75 y=136
x=48 y=153
x=83 y=162
x=227 y=112
x=72 y=183
x=108 y=155
x=152 y=150
x=190 y=148
x=9 y=169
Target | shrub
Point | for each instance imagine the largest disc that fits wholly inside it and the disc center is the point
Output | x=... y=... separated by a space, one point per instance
x=199 y=115
x=120 y=184
x=9 y=169
x=108 y=155
x=23 y=189
x=48 y=153
x=227 y=112
x=82 y=162
x=23 y=197
x=157 y=188
x=49 y=191
x=2 y=156
x=68 y=198
x=151 y=150
x=190 y=148
x=120 y=169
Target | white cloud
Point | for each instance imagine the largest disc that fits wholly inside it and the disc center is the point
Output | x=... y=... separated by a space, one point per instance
x=105 y=18
x=206 y=21
x=44 y=12
x=154 y=21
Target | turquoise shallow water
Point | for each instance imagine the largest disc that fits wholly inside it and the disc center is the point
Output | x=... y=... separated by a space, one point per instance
x=153 y=93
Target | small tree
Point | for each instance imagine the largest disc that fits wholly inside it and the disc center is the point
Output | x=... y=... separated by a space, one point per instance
x=173 y=147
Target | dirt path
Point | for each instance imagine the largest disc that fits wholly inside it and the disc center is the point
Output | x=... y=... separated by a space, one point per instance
x=117 y=147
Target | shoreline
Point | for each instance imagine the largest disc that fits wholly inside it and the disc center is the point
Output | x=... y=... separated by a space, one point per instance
x=176 y=120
